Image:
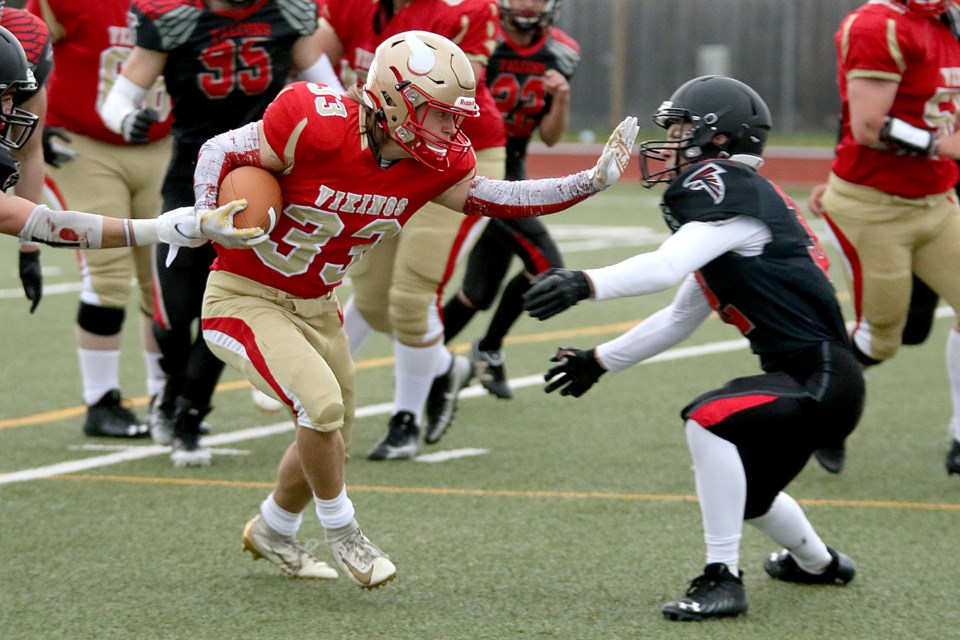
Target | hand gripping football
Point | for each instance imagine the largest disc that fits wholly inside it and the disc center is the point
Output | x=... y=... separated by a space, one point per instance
x=261 y=191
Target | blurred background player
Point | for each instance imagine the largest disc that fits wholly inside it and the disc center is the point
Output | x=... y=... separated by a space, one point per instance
x=223 y=61
x=33 y=222
x=353 y=170
x=890 y=196
x=398 y=288
x=97 y=170
x=34 y=38
x=738 y=247
x=528 y=74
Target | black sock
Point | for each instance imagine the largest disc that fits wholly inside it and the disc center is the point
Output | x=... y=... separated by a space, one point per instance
x=456 y=315
x=509 y=309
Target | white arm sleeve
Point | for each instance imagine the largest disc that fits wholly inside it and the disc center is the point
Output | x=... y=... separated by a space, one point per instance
x=322 y=72
x=63 y=228
x=124 y=98
x=690 y=248
x=659 y=332
x=218 y=156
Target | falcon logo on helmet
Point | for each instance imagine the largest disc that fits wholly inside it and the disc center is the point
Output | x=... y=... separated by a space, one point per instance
x=411 y=74
x=725 y=117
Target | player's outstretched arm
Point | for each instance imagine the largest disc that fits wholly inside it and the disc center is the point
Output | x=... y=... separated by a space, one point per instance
x=506 y=199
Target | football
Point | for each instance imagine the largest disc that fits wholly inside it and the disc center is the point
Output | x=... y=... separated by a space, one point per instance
x=262 y=193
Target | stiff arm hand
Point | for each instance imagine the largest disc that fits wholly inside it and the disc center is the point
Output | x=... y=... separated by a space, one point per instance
x=616 y=154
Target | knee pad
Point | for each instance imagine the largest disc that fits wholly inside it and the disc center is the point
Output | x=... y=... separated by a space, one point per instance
x=375 y=313
x=414 y=316
x=481 y=292
x=100 y=321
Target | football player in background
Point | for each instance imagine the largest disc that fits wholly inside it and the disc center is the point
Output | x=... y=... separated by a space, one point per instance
x=398 y=288
x=32 y=222
x=353 y=170
x=34 y=38
x=223 y=61
x=97 y=170
x=528 y=74
x=738 y=247
x=890 y=198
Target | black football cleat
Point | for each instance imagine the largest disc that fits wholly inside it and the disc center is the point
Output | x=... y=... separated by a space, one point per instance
x=716 y=594
x=832 y=459
x=780 y=565
x=953 y=458
x=109 y=418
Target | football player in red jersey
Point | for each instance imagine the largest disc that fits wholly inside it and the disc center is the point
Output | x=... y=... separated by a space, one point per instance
x=33 y=36
x=98 y=170
x=398 y=288
x=354 y=169
x=528 y=74
x=223 y=61
x=890 y=198
x=739 y=248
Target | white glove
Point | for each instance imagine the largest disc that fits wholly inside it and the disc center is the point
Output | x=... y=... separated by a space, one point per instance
x=217 y=225
x=178 y=228
x=616 y=154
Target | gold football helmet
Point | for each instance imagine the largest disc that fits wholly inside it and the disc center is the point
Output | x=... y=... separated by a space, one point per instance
x=412 y=73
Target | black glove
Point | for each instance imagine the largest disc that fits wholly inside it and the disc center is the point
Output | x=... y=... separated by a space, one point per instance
x=136 y=125
x=54 y=153
x=31 y=277
x=577 y=372
x=555 y=290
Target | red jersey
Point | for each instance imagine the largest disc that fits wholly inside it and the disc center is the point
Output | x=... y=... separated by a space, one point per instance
x=93 y=41
x=883 y=40
x=471 y=24
x=338 y=201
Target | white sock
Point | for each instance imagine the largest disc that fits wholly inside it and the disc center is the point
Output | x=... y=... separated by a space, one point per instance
x=722 y=492
x=413 y=373
x=787 y=525
x=156 y=378
x=280 y=520
x=335 y=513
x=100 y=371
x=355 y=326
x=443 y=363
x=953 y=373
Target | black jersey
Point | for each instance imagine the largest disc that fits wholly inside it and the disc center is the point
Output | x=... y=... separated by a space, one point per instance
x=515 y=77
x=223 y=69
x=782 y=299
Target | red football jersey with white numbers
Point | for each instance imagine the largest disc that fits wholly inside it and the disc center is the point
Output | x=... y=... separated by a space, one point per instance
x=924 y=58
x=472 y=24
x=338 y=201
x=88 y=56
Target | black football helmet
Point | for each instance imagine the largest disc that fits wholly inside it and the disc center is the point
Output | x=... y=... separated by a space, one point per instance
x=17 y=125
x=714 y=105
x=525 y=20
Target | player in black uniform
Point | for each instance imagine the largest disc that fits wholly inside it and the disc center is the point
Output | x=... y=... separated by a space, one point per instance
x=529 y=75
x=740 y=248
x=223 y=62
